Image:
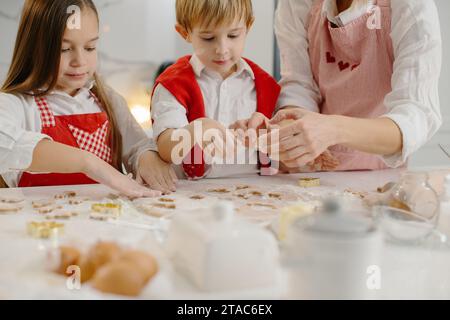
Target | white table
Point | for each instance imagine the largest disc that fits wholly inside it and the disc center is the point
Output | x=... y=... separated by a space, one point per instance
x=408 y=272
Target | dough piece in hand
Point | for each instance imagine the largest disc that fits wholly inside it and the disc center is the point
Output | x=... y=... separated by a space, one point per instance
x=325 y=162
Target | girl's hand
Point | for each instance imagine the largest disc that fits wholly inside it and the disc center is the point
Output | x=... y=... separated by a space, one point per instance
x=102 y=172
x=305 y=139
x=156 y=173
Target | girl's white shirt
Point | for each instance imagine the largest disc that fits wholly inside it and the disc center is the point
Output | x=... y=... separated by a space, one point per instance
x=20 y=128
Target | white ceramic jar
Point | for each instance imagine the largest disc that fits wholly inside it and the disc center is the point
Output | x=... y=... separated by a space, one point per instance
x=333 y=255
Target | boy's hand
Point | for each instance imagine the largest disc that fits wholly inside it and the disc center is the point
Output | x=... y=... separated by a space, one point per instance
x=102 y=172
x=257 y=121
x=216 y=140
x=156 y=173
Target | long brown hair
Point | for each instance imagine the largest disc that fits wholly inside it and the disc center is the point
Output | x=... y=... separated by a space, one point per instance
x=37 y=53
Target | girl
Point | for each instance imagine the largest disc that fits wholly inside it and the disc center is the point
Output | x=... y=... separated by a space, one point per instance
x=58 y=124
x=358 y=77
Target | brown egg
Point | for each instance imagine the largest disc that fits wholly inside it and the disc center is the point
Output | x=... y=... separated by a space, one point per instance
x=103 y=253
x=119 y=277
x=68 y=256
x=87 y=268
x=145 y=263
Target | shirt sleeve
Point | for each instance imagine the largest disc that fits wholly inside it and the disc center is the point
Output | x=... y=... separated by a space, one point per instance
x=298 y=87
x=413 y=103
x=134 y=139
x=167 y=112
x=16 y=144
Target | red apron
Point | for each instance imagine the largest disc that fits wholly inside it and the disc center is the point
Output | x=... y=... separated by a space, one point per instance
x=179 y=79
x=88 y=132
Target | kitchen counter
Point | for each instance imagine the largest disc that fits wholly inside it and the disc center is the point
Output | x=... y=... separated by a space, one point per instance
x=408 y=272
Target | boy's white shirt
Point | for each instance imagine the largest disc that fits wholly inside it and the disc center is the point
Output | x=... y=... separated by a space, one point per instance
x=226 y=101
x=413 y=103
x=20 y=128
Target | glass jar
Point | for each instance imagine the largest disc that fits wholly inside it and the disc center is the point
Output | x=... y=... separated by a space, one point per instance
x=411 y=210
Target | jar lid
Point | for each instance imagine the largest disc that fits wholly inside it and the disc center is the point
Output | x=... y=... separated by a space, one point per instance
x=333 y=219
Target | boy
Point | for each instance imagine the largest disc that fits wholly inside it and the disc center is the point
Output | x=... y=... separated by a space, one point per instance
x=215 y=86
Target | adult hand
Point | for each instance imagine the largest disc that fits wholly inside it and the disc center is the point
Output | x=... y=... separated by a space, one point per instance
x=305 y=138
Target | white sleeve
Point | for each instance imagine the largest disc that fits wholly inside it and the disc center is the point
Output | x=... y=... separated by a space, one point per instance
x=134 y=140
x=297 y=82
x=413 y=103
x=167 y=112
x=16 y=143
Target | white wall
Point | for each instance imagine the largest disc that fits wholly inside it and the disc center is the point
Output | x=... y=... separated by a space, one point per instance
x=138 y=35
x=260 y=41
x=430 y=155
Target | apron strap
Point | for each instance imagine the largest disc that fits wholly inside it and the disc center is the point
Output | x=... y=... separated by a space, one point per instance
x=47 y=116
x=383 y=3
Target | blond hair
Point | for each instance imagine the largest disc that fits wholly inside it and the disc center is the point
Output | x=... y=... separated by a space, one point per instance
x=212 y=13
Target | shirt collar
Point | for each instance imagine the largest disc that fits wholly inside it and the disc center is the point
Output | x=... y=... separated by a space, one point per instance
x=356 y=10
x=83 y=91
x=199 y=67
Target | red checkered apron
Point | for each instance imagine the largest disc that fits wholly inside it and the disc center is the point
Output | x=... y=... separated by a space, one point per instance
x=88 y=132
